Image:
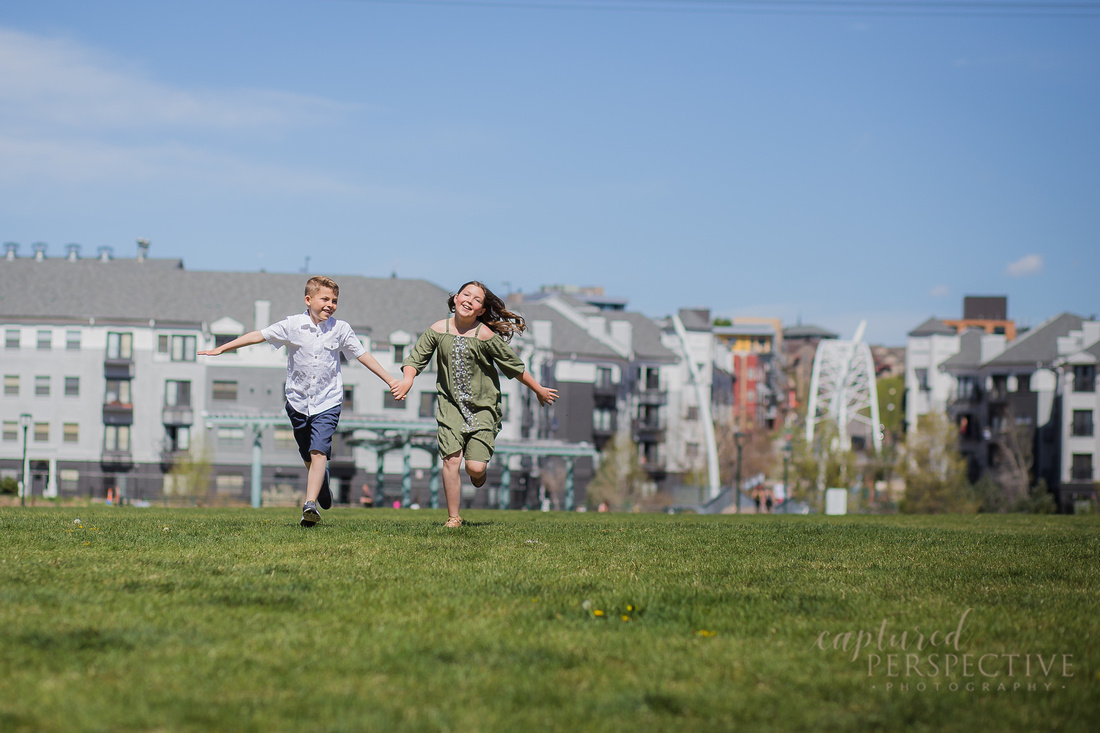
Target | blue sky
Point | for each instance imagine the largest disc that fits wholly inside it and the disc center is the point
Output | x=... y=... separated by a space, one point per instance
x=823 y=166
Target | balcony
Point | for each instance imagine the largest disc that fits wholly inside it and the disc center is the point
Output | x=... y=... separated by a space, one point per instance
x=606 y=389
x=653 y=397
x=174 y=416
x=118 y=413
x=648 y=429
x=118 y=369
x=117 y=458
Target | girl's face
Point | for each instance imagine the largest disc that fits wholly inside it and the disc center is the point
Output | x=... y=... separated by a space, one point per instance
x=470 y=303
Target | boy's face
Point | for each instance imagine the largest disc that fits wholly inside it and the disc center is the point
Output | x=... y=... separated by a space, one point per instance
x=321 y=305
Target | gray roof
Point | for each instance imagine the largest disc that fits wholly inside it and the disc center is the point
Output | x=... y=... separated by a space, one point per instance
x=647 y=337
x=808 y=331
x=132 y=291
x=933 y=327
x=695 y=319
x=1039 y=345
x=1094 y=350
x=969 y=355
x=568 y=337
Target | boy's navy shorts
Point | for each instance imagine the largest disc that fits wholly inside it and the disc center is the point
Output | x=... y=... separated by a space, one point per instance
x=314 y=432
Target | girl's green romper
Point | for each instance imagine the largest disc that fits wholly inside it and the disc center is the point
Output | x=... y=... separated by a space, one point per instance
x=468 y=410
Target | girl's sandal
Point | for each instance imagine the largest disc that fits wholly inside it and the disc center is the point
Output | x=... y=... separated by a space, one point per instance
x=453 y=522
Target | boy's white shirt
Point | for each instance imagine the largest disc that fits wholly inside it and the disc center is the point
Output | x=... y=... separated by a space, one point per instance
x=313 y=381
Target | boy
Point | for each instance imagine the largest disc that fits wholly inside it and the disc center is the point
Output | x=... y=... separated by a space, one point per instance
x=314 y=387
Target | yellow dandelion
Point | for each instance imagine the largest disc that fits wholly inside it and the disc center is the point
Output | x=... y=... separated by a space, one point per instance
x=629 y=607
x=625 y=617
x=597 y=612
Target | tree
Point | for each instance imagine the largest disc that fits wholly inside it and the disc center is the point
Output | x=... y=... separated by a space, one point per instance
x=189 y=476
x=819 y=465
x=1012 y=461
x=619 y=481
x=934 y=472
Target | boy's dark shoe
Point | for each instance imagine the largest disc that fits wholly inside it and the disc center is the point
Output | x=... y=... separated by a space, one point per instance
x=310 y=515
x=325 y=497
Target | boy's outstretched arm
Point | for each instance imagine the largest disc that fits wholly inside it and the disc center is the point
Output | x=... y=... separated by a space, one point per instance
x=250 y=338
x=546 y=396
x=371 y=363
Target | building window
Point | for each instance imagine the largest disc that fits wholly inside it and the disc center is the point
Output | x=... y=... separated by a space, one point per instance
x=603 y=377
x=603 y=420
x=11 y=385
x=71 y=432
x=692 y=413
x=221 y=339
x=1082 y=467
x=922 y=379
x=162 y=343
x=691 y=451
x=652 y=378
x=349 y=398
x=427 y=404
x=69 y=478
x=177 y=437
x=120 y=346
x=118 y=392
x=72 y=386
x=41 y=432
x=183 y=348
x=231 y=434
x=116 y=438
x=398 y=353
x=1082 y=423
x=284 y=438
x=389 y=402
x=177 y=393
x=1084 y=378
x=225 y=390
x=42 y=385
x=11 y=338
x=229 y=483
x=45 y=340
x=11 y=431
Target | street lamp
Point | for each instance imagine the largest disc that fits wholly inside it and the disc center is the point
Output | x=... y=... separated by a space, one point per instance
x=786 y=486
x=24 y=422
x=738 y=437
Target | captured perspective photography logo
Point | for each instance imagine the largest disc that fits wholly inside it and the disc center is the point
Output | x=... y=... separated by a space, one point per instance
x=944 y=659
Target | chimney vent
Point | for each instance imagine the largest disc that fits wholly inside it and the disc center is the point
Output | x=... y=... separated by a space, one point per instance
x=74 y=252
x=143 y=249
x=11 y=250
x=39 y=251
x=105 y=253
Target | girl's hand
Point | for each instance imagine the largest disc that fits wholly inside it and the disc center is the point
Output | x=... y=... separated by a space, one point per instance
x=400 y=388
x=547 y=396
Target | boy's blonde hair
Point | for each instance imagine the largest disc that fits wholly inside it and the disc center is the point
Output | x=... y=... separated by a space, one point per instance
x=317 y=282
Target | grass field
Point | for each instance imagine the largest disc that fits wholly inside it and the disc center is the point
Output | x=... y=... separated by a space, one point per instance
x=239 y=619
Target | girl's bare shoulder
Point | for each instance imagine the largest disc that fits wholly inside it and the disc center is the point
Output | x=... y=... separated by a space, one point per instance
x=485 y=333
x=440 y=326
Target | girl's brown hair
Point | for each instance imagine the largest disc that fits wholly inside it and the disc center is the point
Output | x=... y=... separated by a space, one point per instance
x=496 y=316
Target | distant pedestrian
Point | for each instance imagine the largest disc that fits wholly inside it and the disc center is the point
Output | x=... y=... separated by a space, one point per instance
x=314 y=341
x=469 y=348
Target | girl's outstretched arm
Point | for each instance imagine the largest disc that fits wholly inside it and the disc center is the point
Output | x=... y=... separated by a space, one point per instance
x=546 y=396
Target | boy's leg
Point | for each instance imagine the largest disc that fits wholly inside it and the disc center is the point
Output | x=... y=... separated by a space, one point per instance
x=318 y=465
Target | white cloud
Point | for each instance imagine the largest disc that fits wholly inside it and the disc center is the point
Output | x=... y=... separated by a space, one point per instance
x=940 y=291
x=60 y=83
x=1026 y=265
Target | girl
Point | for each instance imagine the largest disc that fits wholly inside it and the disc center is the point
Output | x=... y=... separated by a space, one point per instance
x=469 y=346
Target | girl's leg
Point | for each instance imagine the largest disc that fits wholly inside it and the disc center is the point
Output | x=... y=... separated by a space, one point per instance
x=476 y=470
x=452 y=482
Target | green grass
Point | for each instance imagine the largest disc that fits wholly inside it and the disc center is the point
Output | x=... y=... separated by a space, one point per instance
x=238 y=619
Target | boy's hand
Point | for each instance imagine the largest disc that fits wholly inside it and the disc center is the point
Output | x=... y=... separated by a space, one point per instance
x=211 y=352
x=547 y=396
